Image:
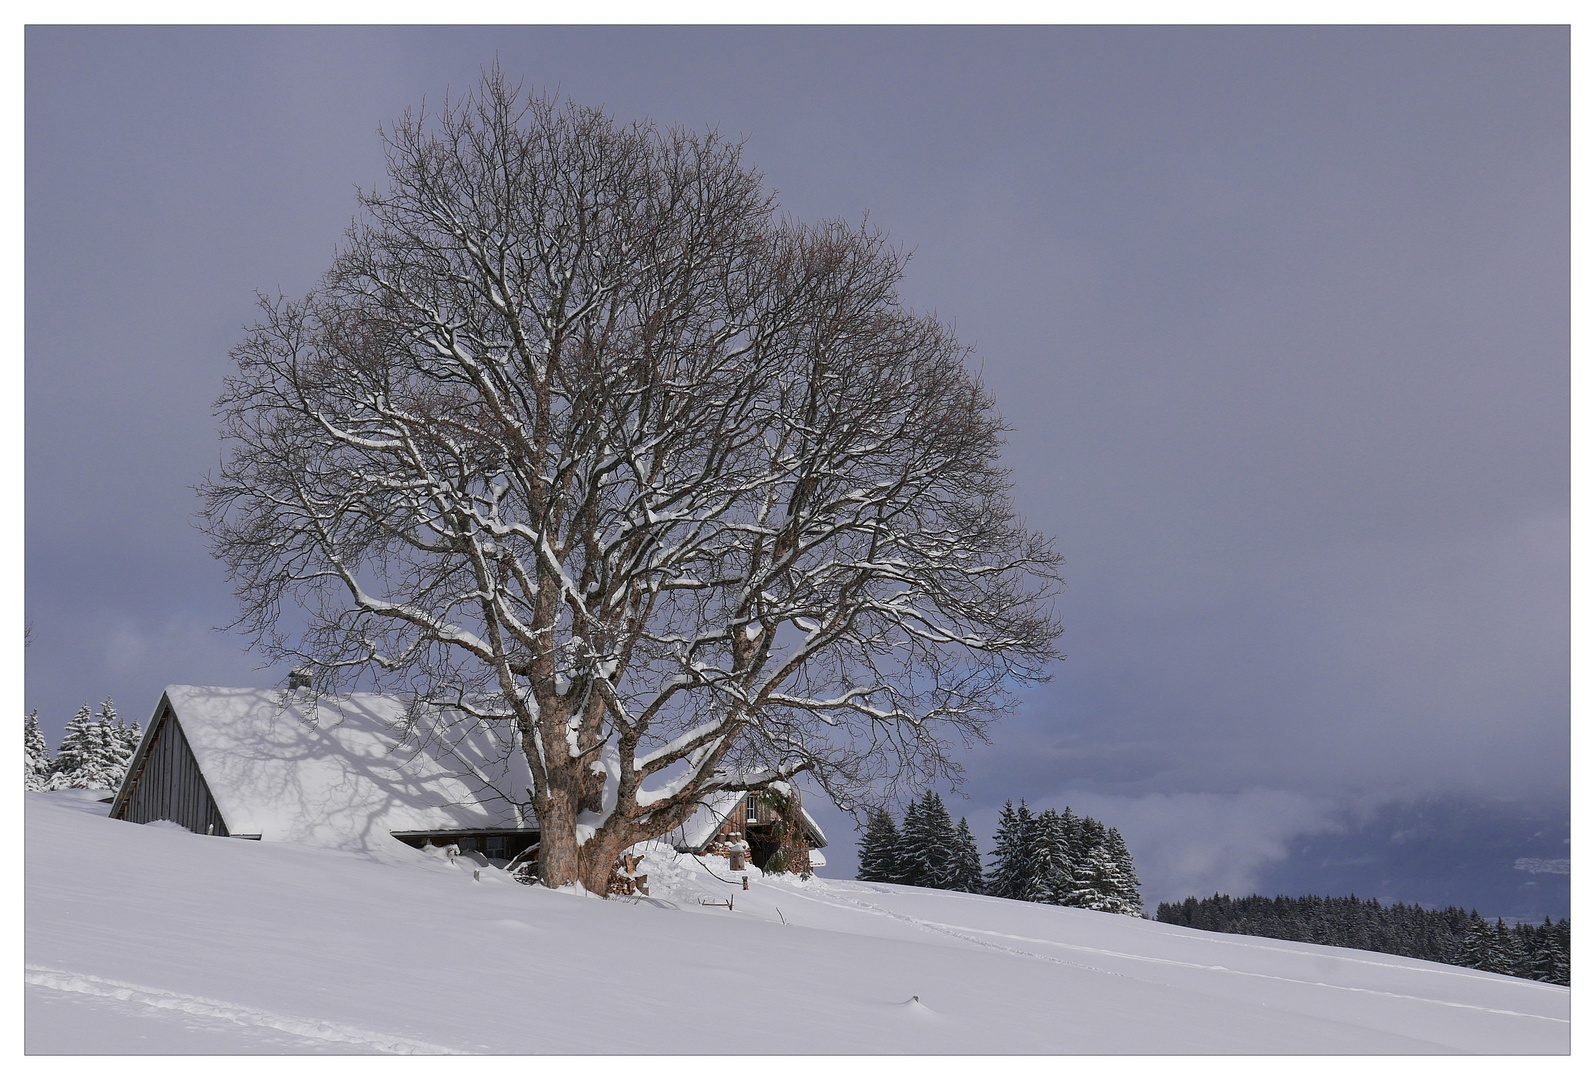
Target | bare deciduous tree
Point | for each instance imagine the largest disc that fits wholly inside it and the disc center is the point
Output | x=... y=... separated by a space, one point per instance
x=580 y=438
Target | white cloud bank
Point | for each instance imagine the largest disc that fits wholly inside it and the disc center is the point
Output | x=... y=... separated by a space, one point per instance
x=1199 y=843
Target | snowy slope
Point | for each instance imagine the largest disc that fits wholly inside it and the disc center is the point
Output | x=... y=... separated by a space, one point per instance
x=146 y=938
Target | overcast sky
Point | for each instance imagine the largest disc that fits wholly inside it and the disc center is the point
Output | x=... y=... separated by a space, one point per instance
x=1279 y=318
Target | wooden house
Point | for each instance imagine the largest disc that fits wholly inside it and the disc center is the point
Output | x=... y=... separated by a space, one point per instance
x=332 y=771
x=348 y=771
x=750 y=828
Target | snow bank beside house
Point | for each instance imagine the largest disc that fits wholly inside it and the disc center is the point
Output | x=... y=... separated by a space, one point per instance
x=152 y=940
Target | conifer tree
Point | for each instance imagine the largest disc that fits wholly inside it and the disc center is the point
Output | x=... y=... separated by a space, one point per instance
x=1478 y=947
x=879 y=849
x=1541 y=957
x=1051 y=862
x=911 y=865
x=1563 y=936
x=132 y=735
x=967 y=875
x=90 y=755
x=1093 y=881
x=943 y=841
x=1509 y=950
x=1070 y=822
x=1093 y=889
x=1550 y=962
x=929 y=840
x=1010 y=870
x=121 y=739
x=1126 y=886
x=1071 y=825
x=36 y=765
x=77 y=756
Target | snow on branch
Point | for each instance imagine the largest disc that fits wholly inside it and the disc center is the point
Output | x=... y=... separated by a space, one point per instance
x=580 y=434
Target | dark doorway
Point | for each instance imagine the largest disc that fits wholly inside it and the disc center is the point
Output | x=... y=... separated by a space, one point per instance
x=762 y=841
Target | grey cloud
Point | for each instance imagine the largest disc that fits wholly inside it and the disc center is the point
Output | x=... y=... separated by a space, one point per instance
x=1199 y=843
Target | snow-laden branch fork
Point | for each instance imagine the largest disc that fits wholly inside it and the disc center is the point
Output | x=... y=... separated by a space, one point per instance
x=578 y=434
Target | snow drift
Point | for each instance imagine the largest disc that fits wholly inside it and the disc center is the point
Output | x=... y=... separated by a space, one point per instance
x=155 y=940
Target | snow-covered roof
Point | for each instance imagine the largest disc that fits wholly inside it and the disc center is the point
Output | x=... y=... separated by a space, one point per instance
x=711 y=813
x=337 y=770
x=815 y=831
x=700 y=828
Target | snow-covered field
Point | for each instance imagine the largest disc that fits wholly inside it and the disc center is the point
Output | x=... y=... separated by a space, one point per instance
x=149 y=939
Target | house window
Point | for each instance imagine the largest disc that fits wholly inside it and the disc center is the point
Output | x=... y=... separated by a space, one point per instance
x=753 y=812
x=494 y=847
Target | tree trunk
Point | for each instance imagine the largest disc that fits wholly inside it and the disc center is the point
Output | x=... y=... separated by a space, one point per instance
x=558 y=857
x=598 y=857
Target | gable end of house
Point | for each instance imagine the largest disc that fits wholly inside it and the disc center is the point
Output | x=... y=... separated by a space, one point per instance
x=164 y=781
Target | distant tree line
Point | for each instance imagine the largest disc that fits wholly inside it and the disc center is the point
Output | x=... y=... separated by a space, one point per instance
x=1449 y=936
x=1046 y=858
x=94 y=752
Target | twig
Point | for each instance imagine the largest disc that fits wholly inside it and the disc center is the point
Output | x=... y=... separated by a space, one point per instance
x=711 y=873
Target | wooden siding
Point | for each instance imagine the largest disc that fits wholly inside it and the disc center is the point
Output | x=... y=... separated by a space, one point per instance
x=735 y=825
x=757 y=831
x=167 y=784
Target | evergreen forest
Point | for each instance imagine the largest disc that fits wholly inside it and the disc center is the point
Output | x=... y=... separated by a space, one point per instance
x=94 y=752
x=1448 y=936
x=1045 y=858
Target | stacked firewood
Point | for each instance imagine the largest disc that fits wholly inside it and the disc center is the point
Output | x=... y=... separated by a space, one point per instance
x=735 y=849
x=624 y=879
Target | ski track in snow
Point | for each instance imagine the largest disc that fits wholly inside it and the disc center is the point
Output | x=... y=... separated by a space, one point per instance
x=326 y=1031
x=969 y=933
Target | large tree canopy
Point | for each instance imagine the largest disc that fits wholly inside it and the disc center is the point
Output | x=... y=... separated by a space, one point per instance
x=579 y=437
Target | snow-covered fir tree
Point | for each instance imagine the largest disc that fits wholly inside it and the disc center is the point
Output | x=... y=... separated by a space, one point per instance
x=36 y=761
x=910 y=866
x=944 y=841
x=1071 y=828
x=1550 y=961
x=1514 y=960
x=879 y=849
x=1010 y=872
x=1051 y=861
x=1478 y=949
x=929 y=843
x=1126 y=886
x=1053 y=858
x=1093 y=877
x=967 y=875
x=1047 y=858
x=79 y=755
x=91 y=754
x=123 y=738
